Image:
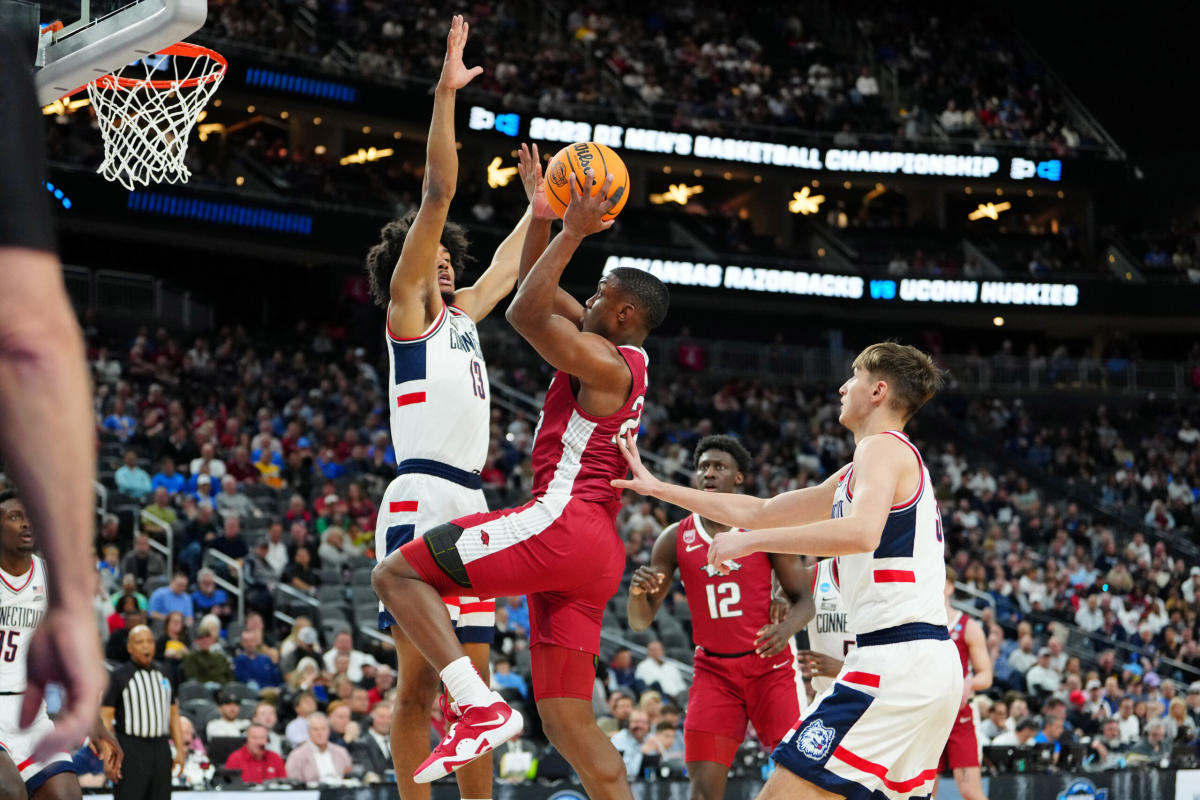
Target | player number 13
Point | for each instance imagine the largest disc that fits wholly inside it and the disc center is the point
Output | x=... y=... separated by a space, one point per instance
x=722 y=598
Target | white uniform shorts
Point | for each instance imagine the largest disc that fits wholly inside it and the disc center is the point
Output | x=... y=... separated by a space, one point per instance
x=414 y=504
x=19 y=744
x=879 y=731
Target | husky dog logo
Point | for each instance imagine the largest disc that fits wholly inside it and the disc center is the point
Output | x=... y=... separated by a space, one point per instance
x=1083 y=789
x=814 y=740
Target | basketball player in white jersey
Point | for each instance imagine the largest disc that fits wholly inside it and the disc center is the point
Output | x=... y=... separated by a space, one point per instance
x=439 y=401
x=23 y=603
x=881 y=726
x=829 y=637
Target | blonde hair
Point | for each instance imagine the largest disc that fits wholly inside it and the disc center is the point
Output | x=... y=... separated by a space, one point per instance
x=911 y=375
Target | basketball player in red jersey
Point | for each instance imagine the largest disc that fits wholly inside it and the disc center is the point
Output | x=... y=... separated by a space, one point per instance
x=962 y=749
x=744 y=667
x=561 y=548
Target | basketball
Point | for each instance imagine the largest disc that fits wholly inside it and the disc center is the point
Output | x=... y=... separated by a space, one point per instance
x=602 y=160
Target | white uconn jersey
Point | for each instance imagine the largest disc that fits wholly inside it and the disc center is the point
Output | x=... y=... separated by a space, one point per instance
x=903 y=580
x=828 y=630
x=22 y=606
x=438 y=394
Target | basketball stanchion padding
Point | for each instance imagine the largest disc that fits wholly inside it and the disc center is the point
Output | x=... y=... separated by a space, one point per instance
x=145 y=120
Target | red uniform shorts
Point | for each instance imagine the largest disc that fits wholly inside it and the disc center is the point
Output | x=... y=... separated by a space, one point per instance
x=962 y=748
x=562 y=552
x=727 y=693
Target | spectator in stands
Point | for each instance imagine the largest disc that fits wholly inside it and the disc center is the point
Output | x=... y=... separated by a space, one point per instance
x=254 y=761
x=277 y=556
x=1090 y=617
x=110 y=533
x=232 y=543
x=317 y=759
x=634 y=743
x=173 y=644
x=132 y=479
x=1023 y=658
x=1154 y=745
x=266 y=715
x=110 y=568
x=621 y=705
x=172 y=597
x=335 y=549
x=1180 y=726
x=160 y=508
x=360 y=706
x=203 y=663
x=208 y=598
x=142 y=564
x=997 y=721
x=1052 y=732
x=259 y=579
x=342 y=728
x=267 y=469
x=343 y=644
x=504 y=678
x=240 y=468
x=657 y=673
x=120 y=424
x=374 y=748
x=621 y=671
x=1042 y=679
x=232 y=503
x=202 y=487
x=208 y=463
x=299 y=574
x=252 y=667
x=1130 y=726
x=303 y=704
x=227 y=724
x=167 y=478
x=1193 y=702
x=1107 y=751
x=385 y=679
x=199 y=534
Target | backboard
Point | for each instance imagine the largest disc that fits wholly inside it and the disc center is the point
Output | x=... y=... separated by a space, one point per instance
x=100 y=36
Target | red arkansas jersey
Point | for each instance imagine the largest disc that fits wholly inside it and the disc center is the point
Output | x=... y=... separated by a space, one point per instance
x=958 y=635
x=727 y=610
x=576 y=453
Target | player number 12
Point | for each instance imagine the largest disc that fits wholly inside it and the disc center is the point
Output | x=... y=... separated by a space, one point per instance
x=721 y=600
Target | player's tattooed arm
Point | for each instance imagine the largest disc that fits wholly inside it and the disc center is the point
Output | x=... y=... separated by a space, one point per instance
x=413 y=288
x=796 y=581
x=650 y=584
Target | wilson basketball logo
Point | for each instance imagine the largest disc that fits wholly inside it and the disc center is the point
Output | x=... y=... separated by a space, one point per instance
x=584 y=153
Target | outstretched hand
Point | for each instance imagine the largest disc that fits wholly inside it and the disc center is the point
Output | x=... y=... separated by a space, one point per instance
x=585 y=213
x=65 y=649
x=455 y=74
x=529 y=167
x=642 y=481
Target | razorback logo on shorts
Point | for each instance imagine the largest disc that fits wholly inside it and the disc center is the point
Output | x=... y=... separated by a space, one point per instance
x=483 y=537
x=814 y=740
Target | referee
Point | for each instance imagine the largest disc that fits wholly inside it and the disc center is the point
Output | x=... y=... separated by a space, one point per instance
x=140 y=707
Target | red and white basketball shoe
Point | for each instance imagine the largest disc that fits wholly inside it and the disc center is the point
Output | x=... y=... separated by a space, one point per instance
x=478 y=730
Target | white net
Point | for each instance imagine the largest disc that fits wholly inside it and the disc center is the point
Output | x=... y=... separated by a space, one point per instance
x=147 y=110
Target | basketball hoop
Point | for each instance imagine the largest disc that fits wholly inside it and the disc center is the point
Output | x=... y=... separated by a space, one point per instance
x=145 y=121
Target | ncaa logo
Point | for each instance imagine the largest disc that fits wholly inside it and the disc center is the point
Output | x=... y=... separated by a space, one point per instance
x=558 y=174
x=689 y=536
x=815 y=739
x=567 y=794
x=1083 y=789
x=825 y=587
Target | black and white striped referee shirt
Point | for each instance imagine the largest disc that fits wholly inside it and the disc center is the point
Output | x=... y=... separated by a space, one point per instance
x=142 y=699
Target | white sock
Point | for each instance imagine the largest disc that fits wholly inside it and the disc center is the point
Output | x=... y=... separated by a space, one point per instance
x=465 y=685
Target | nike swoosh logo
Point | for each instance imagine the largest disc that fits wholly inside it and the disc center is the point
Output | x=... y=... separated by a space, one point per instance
x=780 y=665
x=499 y=720
x=692 y=547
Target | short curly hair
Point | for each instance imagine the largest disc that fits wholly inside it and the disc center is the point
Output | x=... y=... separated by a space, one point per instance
x=726 y=444
x=382 y=258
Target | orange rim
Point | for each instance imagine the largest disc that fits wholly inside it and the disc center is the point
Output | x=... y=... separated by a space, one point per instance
x=111 y=81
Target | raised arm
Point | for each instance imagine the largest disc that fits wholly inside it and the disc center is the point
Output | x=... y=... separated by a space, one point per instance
x=591 y=358
x=499 y=278
x=649 y=585
x=796 y=507
x=880 y=464
x=416 y=301
x=529 y=166
x=981 y=660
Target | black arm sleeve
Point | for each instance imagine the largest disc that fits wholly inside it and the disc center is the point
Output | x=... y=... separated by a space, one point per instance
x=25 y=219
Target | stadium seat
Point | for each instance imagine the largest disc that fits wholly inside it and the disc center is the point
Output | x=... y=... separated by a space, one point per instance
x=361 y=576
x=155 y=582
x=360 y=562
x=193 y=690
x=363 y=594
x=331 y=593
x=200 y=706
x=330 y=576
x=239 y=690
x=246 y=709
